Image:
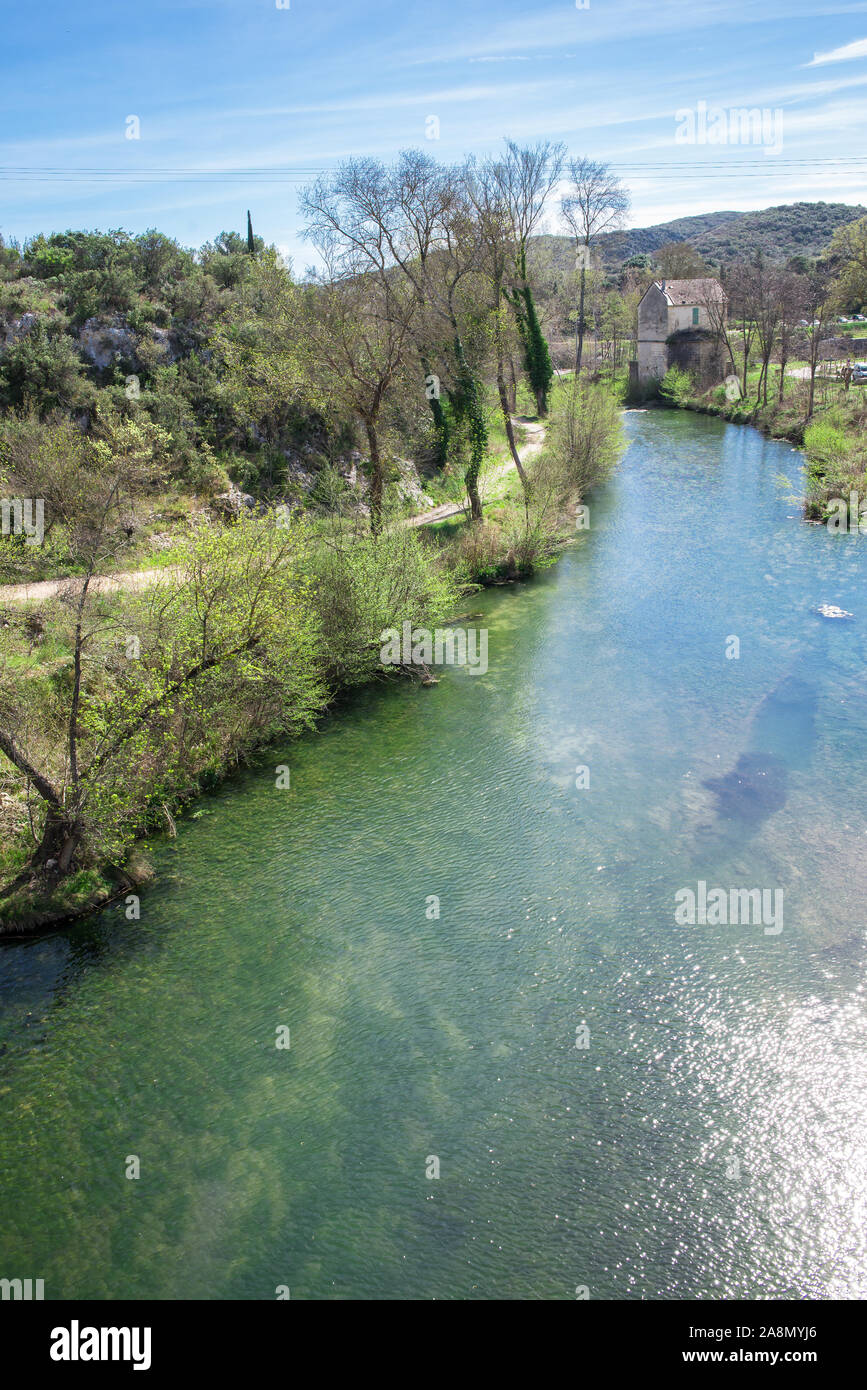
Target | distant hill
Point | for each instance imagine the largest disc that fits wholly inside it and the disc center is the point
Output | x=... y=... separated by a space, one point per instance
x=790 y=230
x=780 y=232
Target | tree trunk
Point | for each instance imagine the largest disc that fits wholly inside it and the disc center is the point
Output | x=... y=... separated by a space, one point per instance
x=537 y=354
x=376 y=480
x=579 y=327
x=441 y=424
x=507 y=418
x=472 y=481
x=513 y=387
x=471 y=409
x=766 y=374
x=62 y=833
x=61 y=837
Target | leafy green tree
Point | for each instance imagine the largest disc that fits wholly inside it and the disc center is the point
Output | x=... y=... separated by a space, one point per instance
x=364 y=584
x=42 y=370
x=679 y=260
x=848 y=252
x=586 y=437
x=10 y=260
x=153 y=699
x=159 y=262
x=261 y=346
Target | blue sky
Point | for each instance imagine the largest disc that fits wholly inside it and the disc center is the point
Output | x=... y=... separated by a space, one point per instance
x=222 y=86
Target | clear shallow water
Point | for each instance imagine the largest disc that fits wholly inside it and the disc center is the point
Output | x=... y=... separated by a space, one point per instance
x=612 y=1166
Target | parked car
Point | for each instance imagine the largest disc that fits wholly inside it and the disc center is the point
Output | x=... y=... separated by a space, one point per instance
x=859 y=371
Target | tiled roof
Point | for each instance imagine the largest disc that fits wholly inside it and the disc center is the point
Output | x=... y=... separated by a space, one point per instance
x=679 y=292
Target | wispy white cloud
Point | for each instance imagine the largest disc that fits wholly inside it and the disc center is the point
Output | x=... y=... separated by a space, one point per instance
x=613 y=23
x=845 y=54
x=395 y=100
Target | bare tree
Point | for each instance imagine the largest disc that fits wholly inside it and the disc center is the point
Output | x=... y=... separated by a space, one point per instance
x=767 y=316
x=716 y=304
x=485 y=188
x=388 y=218
x=596 y=202
x=358 y=331
x=791 y=290
x=524 y=179
x=743 y=294
x=414 y=218
x=819 y=306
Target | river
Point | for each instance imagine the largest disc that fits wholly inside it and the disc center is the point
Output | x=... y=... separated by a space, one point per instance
x=708 y=1141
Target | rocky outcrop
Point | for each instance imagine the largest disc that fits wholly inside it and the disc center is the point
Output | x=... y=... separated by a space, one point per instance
x=13 y=330
x=233 y=502
x=409 y=486
x=106 y=341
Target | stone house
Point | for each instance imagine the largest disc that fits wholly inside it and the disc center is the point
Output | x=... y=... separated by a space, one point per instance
x=679 y=323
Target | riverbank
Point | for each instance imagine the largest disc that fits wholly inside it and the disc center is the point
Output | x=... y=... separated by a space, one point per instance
x=346 y=585
x=38 y=642
x=833 y=439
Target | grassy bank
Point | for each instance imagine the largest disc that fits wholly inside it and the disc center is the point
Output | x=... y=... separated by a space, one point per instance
x=121 y=706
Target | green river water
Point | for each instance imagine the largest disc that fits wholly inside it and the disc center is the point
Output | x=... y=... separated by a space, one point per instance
x=711 y=1139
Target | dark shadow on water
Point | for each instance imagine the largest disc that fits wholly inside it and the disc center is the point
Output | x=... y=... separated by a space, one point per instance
x=784 y=725
x=782 y=739
x=755 y=788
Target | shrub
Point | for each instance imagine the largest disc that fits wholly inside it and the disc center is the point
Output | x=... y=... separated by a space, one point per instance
x=43 y=370
x=836 y=464
x=364 y=584
x=676 y=387
x=586 y=438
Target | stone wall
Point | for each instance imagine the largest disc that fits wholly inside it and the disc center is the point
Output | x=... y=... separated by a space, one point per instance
x=698 y=351
x=653 y=316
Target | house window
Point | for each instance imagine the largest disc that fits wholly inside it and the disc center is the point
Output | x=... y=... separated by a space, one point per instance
x=695 y=316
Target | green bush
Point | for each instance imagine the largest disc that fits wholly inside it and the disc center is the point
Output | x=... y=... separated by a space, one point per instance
x=585 y=438
x=677 y=387
x=43 y=370
x=836 y=465
x=364 y=584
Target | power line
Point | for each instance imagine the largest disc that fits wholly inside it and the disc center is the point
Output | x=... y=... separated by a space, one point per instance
x=762 y=167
